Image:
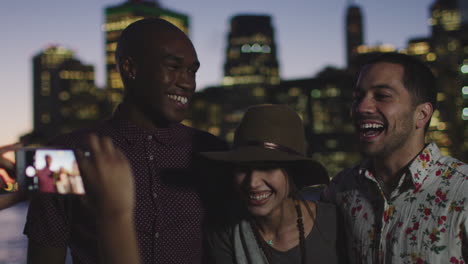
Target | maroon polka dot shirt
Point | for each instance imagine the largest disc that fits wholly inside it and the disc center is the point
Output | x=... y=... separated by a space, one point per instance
x=168 y=212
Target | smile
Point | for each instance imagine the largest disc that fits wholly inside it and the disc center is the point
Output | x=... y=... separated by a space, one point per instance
x=178 y=98
x=370 y=129
x=260 y=196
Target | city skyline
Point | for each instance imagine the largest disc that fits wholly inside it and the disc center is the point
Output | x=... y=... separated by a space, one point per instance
x=300 y=54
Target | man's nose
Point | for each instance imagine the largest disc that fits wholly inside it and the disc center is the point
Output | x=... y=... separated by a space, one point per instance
x=364 y=105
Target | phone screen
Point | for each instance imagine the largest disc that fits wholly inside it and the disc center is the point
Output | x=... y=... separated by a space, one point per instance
x=49 y=171
x=8 y=182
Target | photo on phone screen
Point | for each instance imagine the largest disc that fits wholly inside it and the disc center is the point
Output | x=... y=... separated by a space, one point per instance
x=49 y=171
x=8 y=182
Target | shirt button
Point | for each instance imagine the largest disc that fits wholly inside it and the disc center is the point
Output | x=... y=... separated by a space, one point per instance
x=156 y=235
x=155 y=195
x=151 y=157
x=150 y=137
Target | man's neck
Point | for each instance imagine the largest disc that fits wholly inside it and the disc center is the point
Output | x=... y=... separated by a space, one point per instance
x=388 y=169
x=134 y=114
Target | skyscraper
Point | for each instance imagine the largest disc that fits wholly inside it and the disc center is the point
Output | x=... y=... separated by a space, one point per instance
x=65 y=96
x=354 y=31
x=117 y=19
x=445 y=16
x=45 y=65
x=251 y=52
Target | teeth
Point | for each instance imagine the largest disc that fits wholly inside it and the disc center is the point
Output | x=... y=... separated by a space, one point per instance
x=371 y=125
x=259 y=196
x=181 y=99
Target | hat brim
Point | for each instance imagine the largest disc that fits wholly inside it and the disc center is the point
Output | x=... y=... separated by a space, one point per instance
x=252 y=154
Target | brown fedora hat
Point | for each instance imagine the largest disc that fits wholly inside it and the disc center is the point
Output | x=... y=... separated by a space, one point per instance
x=272 y=133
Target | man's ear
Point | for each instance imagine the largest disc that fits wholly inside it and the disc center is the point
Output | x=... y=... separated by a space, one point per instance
x=423 y=114
x=128 y=68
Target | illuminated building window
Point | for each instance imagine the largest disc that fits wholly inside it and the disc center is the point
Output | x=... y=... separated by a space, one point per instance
x=442 y=126
x=117 y=84
x=440 y=97
x=362 y=49
x=452 y=45
x=465 y=91
x=464 y=69
x=294 y=91
x=431 y=56
x=187 y=122
x=418 y=48
x=315 y=93
x=45 y=118
x=245 y=48
x=45 y=88
x=110 y=58
x=116 y=97
x=121 y=24
x=111 y=46
x=64 y=96
x=332 y=91
x=230 y=136
x=258 y=92
x=256 y=47
x=176 y=22
x=45 y=75
x=465 y=113
x=215 y=131
x=331 y=143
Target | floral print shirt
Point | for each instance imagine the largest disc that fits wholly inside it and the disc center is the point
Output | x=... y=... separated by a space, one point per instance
x=424 y=220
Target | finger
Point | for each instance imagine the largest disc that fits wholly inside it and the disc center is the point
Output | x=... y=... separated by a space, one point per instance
x=107 y=145
x=94 y=145
x=10 y=147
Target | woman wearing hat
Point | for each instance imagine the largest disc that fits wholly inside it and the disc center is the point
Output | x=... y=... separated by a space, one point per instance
x=269 y=168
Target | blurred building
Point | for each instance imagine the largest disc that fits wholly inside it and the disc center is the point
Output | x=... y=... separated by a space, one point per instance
x=252 y=77
x=64 y=94
x=324 y=102
x=447 y=56
x=117 y=18
x=251 y=52
x=354 y=31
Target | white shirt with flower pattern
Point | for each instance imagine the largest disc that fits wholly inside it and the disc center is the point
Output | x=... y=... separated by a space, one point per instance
x=425 y=220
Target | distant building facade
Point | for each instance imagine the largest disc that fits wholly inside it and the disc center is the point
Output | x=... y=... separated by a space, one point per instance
x=64 y=94
x=354 y=32
x=251 y=52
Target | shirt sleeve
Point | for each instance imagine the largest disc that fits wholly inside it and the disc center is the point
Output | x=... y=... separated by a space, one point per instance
x=47 y=222
x=329 y=193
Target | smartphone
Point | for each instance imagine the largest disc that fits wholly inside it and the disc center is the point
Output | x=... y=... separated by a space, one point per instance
x=48 y=170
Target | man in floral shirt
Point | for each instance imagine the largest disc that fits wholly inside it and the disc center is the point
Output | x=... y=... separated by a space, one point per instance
x=405 y=203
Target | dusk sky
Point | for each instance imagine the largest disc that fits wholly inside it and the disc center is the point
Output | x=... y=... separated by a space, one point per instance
x=309 y=36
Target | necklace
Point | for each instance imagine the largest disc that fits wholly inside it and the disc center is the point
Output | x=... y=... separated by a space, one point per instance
x=264 y=244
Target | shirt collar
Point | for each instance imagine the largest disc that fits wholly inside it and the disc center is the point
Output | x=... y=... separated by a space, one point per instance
x=418 y=169
x=170 y=135
x=422 y=166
